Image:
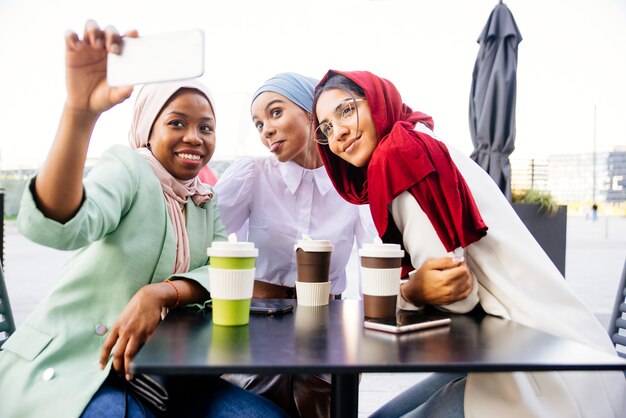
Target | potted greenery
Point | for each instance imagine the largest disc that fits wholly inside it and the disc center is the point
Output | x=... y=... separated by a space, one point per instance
x=546 y=220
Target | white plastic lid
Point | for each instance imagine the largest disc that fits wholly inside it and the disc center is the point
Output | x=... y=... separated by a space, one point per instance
x=380 y=250
x=232 y=248
x=314 y=245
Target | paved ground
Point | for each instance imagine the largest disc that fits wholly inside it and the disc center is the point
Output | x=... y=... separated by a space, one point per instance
x=594 y=259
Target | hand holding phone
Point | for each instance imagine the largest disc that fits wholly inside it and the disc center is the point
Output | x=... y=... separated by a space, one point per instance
x=154 y=58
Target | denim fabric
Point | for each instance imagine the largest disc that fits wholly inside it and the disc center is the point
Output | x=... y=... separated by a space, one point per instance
x=216 y=398
x=112 y=400
x=189 y=397
x=438 y=396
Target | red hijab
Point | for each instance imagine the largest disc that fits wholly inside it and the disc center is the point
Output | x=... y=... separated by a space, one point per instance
x=405 y=160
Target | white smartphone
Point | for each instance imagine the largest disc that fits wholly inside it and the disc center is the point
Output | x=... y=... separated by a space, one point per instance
x=161 y=57
x=405 y=322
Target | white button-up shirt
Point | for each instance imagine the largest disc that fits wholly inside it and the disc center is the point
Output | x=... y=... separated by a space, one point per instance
x=273 y=204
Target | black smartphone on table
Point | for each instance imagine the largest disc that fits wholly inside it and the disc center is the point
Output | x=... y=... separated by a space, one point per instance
x=265 y=306
x=270 y=307
x=406 y=321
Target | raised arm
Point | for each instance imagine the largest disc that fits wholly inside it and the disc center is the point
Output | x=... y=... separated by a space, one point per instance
x=58 y=186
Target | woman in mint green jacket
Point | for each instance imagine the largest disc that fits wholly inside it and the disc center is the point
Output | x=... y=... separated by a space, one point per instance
x=140 y=225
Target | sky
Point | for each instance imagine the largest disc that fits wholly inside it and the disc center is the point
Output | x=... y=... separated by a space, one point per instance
x=571 y=79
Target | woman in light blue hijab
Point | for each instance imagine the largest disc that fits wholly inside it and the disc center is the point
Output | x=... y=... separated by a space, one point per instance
x=281 y=112
x=295 y=87
x=274 y=200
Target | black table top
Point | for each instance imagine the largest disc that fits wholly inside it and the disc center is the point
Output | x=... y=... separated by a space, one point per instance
x=331 y=339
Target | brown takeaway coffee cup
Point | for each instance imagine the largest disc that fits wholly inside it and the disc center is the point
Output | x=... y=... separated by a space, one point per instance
x=313 y=264
x=380 y=278
x=313 y=258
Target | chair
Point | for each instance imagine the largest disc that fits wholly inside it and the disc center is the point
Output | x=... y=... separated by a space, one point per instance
x=617 y=322
x=7 y=324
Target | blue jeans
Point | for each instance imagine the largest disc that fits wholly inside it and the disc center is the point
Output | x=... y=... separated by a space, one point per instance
x=438 y=396
x=113 y=400
x=189 y=397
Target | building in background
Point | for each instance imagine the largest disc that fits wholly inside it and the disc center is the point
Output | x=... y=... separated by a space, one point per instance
x=615 y=185
x=576 y=179
x=529 y=174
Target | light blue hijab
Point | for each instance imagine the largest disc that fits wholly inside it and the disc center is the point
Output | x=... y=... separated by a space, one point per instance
x=295 y=87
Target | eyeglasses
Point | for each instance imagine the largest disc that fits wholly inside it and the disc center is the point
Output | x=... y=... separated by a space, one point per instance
x=342 y=115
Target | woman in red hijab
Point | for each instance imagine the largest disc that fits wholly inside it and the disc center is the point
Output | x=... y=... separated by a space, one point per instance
x=436 y=202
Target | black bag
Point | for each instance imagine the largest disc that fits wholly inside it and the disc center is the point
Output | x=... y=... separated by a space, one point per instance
x=148 y=390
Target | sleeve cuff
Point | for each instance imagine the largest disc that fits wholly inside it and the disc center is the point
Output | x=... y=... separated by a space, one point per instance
x=199 y=275
x=404 y=304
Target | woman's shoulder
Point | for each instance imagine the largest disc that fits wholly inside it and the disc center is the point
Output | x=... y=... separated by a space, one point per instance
x=246 y=164
x=119 y=165
x=124 y=155
x=261 y=164
x=121 y=151
x=246 y=169
x=239 y=177
x=467 y=166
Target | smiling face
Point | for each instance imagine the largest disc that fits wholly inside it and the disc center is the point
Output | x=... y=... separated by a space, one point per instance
x=355 y=140
x=183 y=135
x=284 y=128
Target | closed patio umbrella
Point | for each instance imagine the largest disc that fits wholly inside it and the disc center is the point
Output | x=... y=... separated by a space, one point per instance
x=492 y=97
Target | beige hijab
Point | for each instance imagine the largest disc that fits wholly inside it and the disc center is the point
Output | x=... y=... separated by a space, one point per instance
x=150 y=100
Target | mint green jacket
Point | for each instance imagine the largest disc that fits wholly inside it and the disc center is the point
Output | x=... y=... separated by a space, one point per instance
x=123 y=240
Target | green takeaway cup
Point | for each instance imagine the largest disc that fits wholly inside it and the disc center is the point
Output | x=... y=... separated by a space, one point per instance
x=231 y=280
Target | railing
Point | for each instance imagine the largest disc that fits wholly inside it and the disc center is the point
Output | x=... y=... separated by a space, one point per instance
x=529 y=174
